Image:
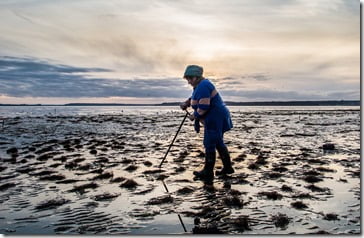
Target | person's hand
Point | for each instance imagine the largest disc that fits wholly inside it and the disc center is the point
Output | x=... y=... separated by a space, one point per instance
x=191 y=117
x=185 y=104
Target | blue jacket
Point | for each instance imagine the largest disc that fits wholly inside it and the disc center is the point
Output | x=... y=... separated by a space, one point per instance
x=209 y=106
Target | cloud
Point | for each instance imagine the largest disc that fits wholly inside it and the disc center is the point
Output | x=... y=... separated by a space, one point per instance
x=27 y=77
x=139 y=48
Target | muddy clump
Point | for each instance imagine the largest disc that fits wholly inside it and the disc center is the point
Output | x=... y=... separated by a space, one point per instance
x=180 y=169
x=303 y=196
x=239 y=179
x=147 y=163
x=280 y=169
x=105 y=175
x=154 y=171
x=315 y=188
x=117 y=180
x=81 y=188
x=131 y=168
x=312 y=179
x=12 y=151
x=160 y=200
x=145 y=191
x=68 y=181
x=129 y=183
x=53 y=177
x=323 y=169
x=105 y=196
x=328 y=147
x=299 y=205
x=331 y=217
x=286 y=188
x=25 y=169
x=311 y=173
x=271 y=195
x=50 y=204
x=317 y=161
x=43 y=173
x=6 y=186
x=185 y=190
x=240 y=158
x=126 y=161
x=253 y=166
x=273 y=175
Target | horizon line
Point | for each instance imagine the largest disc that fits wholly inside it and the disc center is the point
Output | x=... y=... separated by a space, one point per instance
x=231 y=103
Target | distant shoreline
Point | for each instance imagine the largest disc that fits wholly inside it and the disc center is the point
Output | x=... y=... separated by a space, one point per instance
x=263 y=103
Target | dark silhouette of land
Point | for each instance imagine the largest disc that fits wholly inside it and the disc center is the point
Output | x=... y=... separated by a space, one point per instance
x=265 y=103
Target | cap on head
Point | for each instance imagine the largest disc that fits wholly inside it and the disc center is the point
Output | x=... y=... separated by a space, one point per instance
x=193 y=71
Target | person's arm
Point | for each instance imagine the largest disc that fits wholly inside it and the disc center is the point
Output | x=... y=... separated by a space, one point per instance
x=203 y=102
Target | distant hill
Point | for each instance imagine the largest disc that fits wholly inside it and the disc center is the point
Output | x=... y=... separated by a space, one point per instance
x=266 y=103
x=298 y=103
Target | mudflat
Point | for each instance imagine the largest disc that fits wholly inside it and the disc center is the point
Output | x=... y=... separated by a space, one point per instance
x=297 y=171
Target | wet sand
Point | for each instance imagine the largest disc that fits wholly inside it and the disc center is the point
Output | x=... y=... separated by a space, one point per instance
x=297 y=172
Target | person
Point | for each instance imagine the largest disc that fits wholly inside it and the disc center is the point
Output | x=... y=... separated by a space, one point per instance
x=211 y=111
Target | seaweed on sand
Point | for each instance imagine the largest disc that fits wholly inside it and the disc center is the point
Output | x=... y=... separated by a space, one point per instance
x=241 y=223
x=280 y=220
x=207 y=229
x=53 y=203
x=233 y=201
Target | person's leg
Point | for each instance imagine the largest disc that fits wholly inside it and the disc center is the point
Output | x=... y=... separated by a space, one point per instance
x=207 y=173
x=225 y=157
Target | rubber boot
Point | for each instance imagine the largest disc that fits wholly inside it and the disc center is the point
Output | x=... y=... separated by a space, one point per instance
x=226 y=161
x=207 y=173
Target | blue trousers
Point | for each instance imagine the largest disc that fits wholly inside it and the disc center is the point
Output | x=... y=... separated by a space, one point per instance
x=213 y=139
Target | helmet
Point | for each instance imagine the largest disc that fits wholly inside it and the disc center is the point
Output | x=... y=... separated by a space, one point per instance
x=193 y=71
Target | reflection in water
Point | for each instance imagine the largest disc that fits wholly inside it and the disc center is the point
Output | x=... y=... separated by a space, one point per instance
x=179 y=216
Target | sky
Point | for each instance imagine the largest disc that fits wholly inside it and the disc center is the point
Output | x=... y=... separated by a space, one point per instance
x=122 y=51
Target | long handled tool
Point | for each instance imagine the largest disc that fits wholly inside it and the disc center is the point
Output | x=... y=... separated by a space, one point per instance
x=180 y=126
